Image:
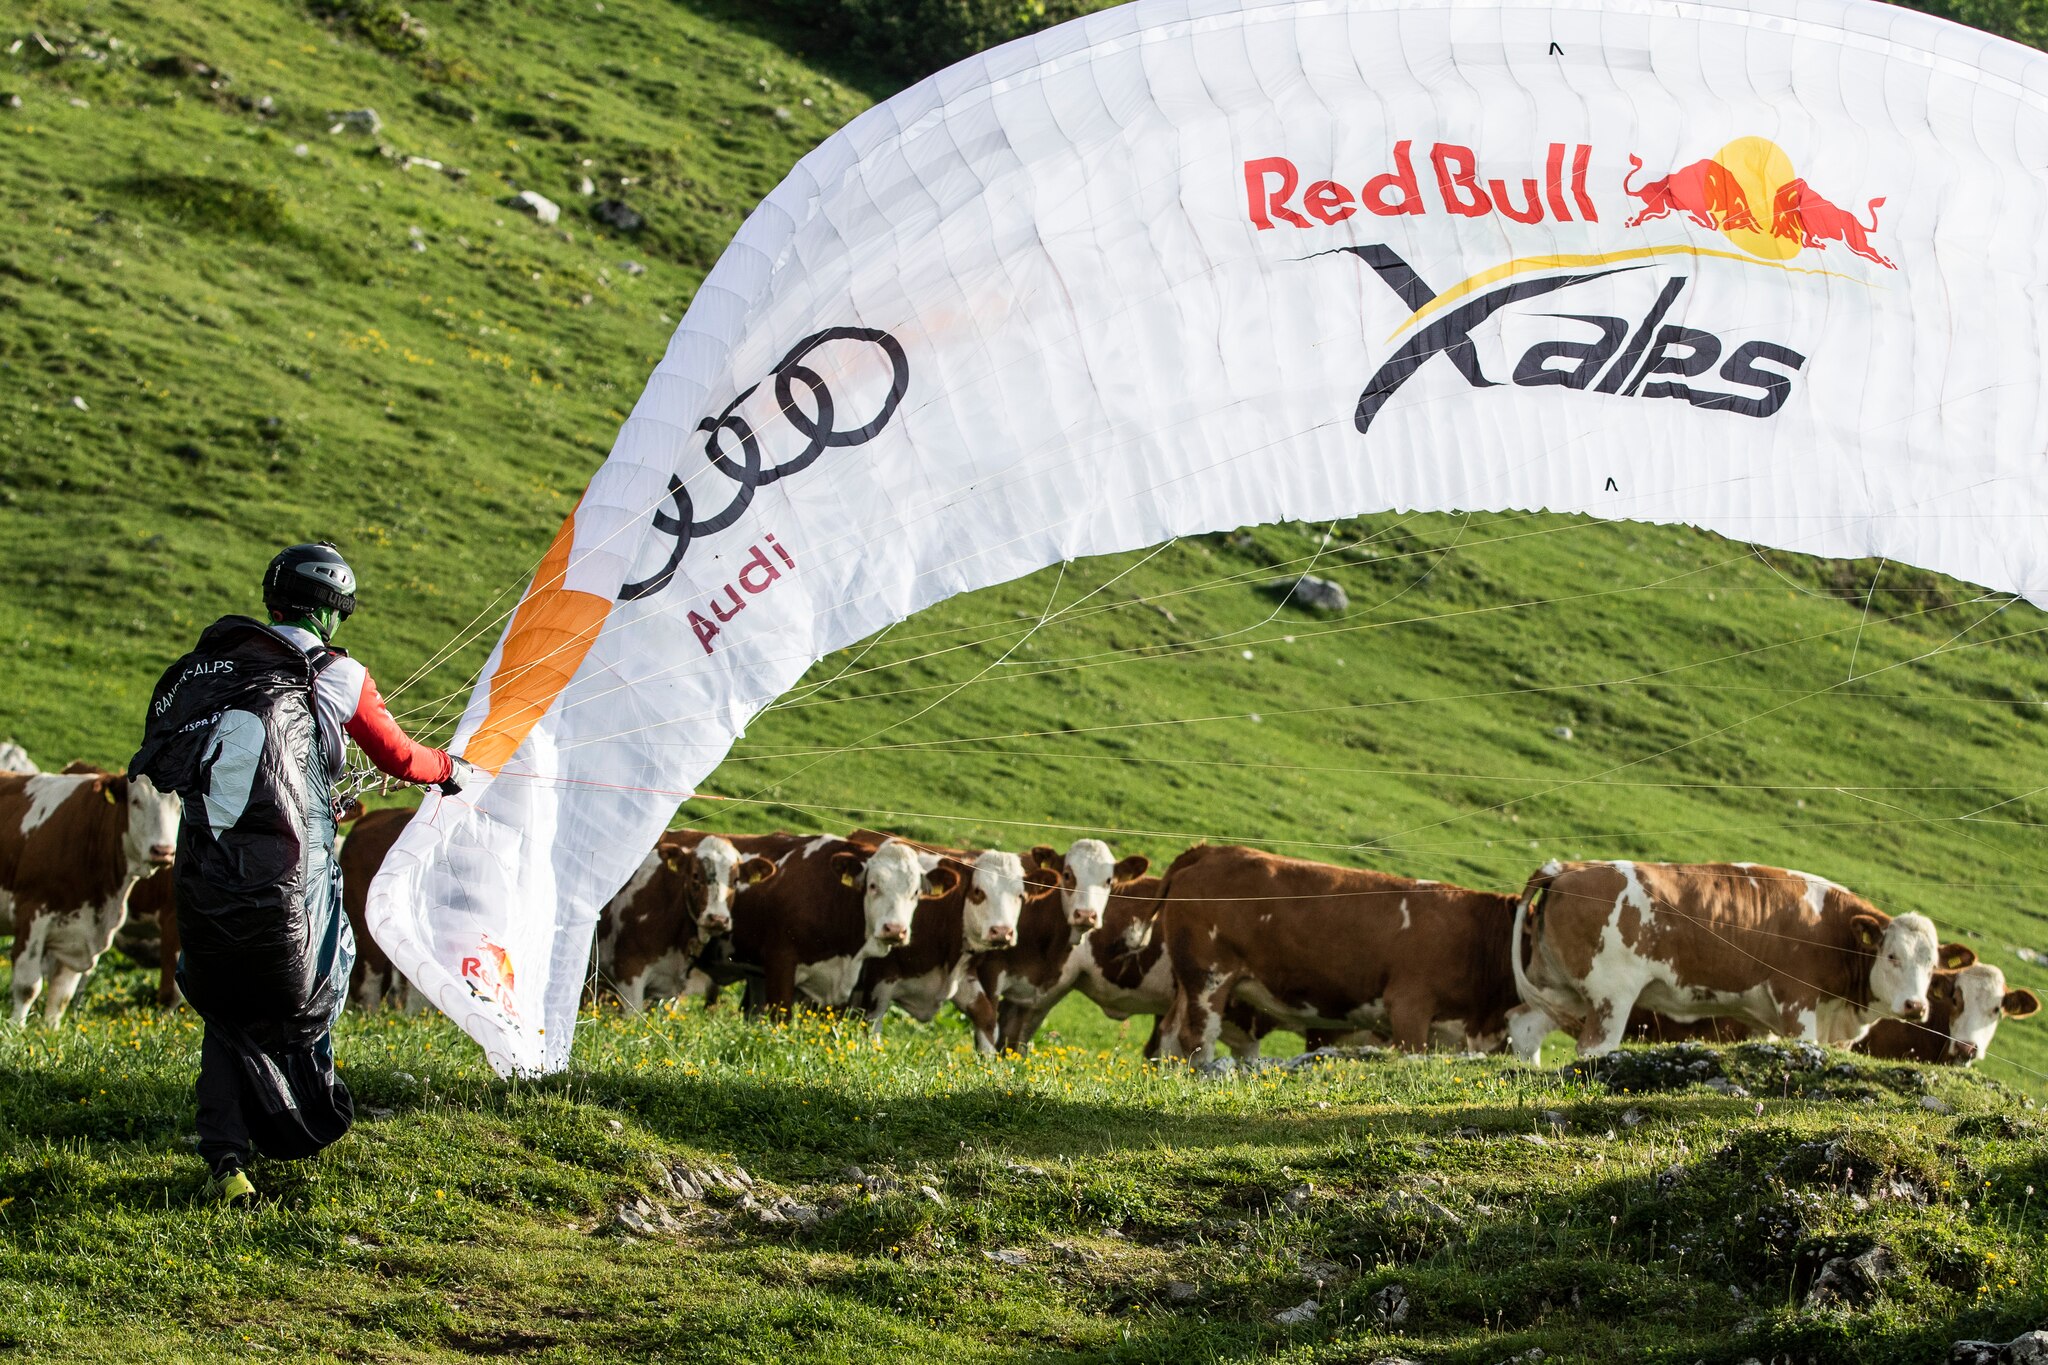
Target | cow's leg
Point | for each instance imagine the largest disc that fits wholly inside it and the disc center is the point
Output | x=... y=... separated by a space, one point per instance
x=64 y=981
x=972 y=1001
x=1242 y=1029
x=778 y=985
x=1606 y=1024
x=29 y=961
x=1017 y=1023
x=1409 y=1015
x=633 y=994
x=1196 y=1021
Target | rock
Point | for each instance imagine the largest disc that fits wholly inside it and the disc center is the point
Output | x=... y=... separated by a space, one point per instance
x=1315 y=594
x=2039 y=959
x=1389 y=1306
x=929 y=1193
x=794 y=1213
x=1217 y=1069
x=376 y=1111
x=1019 y=1168
x=301 y=149
x=1418 y=1206
x=406 y=163
x=1534 y=1139
x=1555 y=1120
x=2028 y=1348
x=1305 y=1311
x=854 y=1173
x=1728 y=1088
x=634 y=1222
x=265 y=106
x=1851 y=1281
x=1975 y=1353
x=1562 y=731
x=1632 y=1117
x=1180 y=1291
x=633 y=268
x=1935 y=1104
x=545 y=210
x=1294 y=1197
x=77 y=103
x=616 y=215
x=586 y=187
x=11 y=101
x=782 y=114
x=615 y=1125
x=357 y=121
x=1008 y=1256
x=79 y=403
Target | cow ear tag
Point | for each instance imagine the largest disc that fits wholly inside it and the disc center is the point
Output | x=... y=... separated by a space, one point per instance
x=108 y=792
x=846 y=879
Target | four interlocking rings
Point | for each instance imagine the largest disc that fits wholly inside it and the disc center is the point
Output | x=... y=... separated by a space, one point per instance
x=819 y=429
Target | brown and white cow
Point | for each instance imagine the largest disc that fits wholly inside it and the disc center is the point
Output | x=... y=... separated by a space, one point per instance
x=1088 y=875
x=1117 y=963
x=651 y=936
x=948 y=934
x=832 y=905
x=1783 y=952
x=72 y=846
x=1964 y=1006
x=1315 y=947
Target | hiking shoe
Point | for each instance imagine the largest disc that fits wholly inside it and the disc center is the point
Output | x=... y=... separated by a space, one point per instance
x=230 y=1189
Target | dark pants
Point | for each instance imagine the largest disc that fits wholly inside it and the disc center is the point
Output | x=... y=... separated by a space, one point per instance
x=302 y=1109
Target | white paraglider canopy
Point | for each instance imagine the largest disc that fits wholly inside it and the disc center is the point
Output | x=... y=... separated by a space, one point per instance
x=1766 y=268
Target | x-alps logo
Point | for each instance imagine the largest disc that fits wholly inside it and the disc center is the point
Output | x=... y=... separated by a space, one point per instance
x=1761 y=211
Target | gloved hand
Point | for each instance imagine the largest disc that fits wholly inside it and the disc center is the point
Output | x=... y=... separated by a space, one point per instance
x=461 y=773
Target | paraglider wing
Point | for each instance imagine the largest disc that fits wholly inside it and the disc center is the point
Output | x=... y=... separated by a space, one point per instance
x=1766 y=268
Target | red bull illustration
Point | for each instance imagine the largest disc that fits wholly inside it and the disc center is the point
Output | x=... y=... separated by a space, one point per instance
x=1722 y=192
x=489 y=976
x=1706 y=192
x=1800 y=214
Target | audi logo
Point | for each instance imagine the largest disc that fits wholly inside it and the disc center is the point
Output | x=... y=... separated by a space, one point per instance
x=735 y=448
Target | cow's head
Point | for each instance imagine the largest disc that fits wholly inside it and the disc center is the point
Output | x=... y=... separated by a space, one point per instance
x=713 y=874
x=1903 y=953
x=1087 y=875
x=892 y=879
x=995 y=900
x=1976 y=998
x=149 y=839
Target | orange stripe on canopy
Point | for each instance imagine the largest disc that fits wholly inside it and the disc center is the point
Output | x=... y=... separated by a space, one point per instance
x=551 y=632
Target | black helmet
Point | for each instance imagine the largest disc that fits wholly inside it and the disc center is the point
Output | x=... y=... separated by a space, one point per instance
x=307 y=578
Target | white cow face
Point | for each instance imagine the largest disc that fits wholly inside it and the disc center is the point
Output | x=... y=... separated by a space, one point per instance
x=995 y=899
x=1902 y=966
x=1086 y=876
x=1977 y=1000
x=712 y=877
x=893 y=879
x=150 y=841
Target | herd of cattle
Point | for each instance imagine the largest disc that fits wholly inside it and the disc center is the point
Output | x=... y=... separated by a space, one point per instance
x=1228 y=945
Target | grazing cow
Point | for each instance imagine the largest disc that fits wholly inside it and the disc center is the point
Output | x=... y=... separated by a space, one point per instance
x=1964 y=1006
x=651 y=936
x=832 y=905
x=72 y=846
x=978 y=916
x=1784 y=952
x=1315 y=947
x=375 y=980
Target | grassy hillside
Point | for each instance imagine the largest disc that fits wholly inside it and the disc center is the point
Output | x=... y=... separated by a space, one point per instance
x=223 y=327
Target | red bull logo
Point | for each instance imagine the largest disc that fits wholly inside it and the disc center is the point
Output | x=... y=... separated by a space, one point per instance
x=489 y=976
x=1750 y=194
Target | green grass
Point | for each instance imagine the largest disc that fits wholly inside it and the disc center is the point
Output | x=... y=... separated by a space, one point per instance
x=263 y=356
x=467 y=1215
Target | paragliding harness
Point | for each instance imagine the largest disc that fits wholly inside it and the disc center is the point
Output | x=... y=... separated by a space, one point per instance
x=266 y=949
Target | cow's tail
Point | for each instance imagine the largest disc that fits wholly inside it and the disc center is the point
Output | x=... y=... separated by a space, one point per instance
x=1179 y=865
x=1635 y=163
x=1871 y=226
x=1527 y=910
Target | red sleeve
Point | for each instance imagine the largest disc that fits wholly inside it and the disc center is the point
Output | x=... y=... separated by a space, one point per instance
x=379 y=737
